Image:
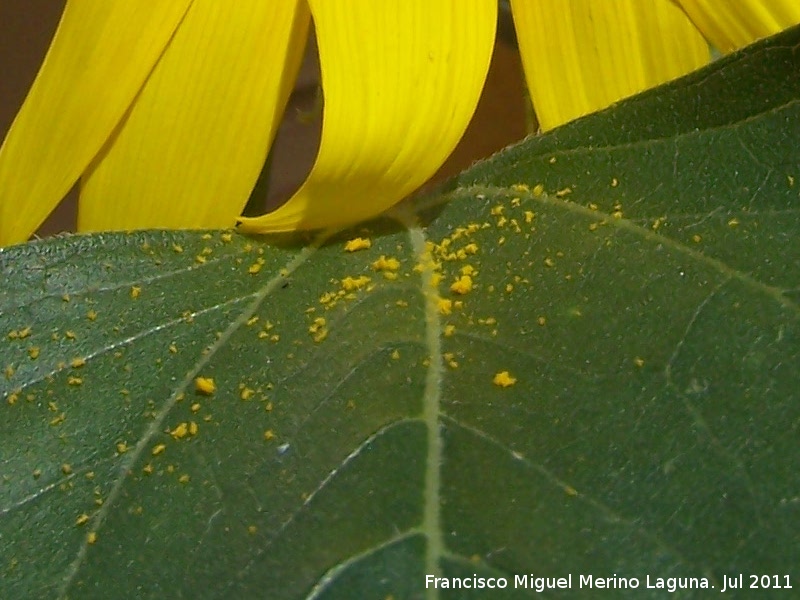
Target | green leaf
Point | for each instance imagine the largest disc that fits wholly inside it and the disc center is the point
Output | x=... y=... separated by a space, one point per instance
x=644 y=307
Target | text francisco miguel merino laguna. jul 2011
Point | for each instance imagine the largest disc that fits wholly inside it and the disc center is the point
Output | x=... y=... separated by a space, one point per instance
x=540 y=584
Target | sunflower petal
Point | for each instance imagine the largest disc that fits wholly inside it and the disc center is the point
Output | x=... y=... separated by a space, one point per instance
x=582 y=55
x=401 y=81
x=731 y=25
x=101 y=53
x=192 y=145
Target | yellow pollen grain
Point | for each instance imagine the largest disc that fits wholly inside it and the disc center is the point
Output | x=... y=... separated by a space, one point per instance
x=33 y=352
x=122 y=447
x=226 y=237
x=82 y=520
x=193 y=428
x=158 y=449
x=254 y=269
x=195 y=407
x=520 y=187
x=351 y=284
x=91 y=315
x=638 y=361
x=471 y=248
x=445 y=306
x=184 y=478
x=205 y=386
x=71 y=380
x=65 y=297
x=396 y=355
x=66 y=469
x=200 y=259
x=449 y=330
x=538 y=189
x=180 y=432
x=497 y=210
x=91 y=538
x=135 y=291
x=386 y=264
x=549 y=262
x=77 y=363
x=468 y=270
x=733 y=222
x=269 y=435
x=697 y=239
x=541 y=321
x=357 y=244
x=316 y=325
x=614 y=182
x=173 y=349
x=504 y=379
x=246 y=393
x=462 y=285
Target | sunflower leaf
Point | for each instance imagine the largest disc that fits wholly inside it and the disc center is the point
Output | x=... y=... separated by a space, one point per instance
x=583 y=361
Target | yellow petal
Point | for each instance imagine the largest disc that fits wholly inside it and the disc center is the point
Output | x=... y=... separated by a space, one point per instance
x=583 y=55
x=99 y=57
x=192 y=145
x=401 y=81
x=731 y=25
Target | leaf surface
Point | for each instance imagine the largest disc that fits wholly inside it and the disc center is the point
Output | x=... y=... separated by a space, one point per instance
x=584 y=361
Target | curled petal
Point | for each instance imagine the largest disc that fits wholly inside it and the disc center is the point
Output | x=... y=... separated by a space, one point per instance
x=731 y=25
x=401 y=81
x=101 y=54
x=190 y=149
x=582 y=55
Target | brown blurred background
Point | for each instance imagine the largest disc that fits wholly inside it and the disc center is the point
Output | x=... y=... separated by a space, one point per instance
x=26 y=27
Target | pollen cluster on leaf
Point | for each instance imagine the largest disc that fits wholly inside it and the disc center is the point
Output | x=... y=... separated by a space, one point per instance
x=358 y=244
x=504 y=379
x=205 y=386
